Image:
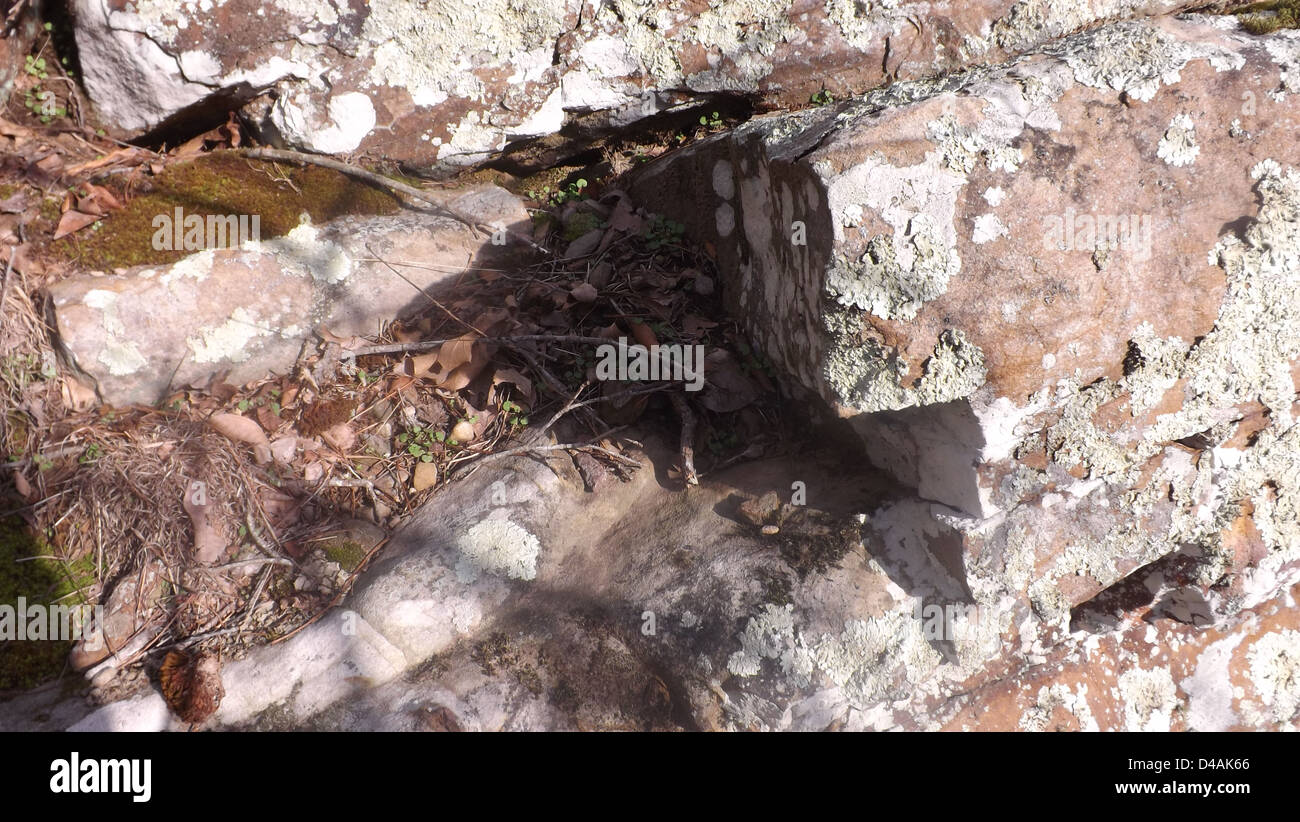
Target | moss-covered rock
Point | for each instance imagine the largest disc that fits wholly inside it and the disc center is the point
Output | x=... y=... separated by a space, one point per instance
x=44 y=581
x=220 y=183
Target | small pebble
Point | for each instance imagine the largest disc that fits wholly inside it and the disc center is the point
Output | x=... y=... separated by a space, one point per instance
x=769 y=530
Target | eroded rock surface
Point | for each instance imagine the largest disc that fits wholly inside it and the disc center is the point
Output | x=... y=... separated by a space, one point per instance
x=1057 y=298
x=448 y=83
x=520 y=601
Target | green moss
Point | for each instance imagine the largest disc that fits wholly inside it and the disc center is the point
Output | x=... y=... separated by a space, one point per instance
x=26 y=664
x=579 y=224
x=346 y=552
x=1264 y=18
x=221 y=183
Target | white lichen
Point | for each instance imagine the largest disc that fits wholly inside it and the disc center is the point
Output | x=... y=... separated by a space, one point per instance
x=1149 y=698
x=987 y=229
x=497 y=546
x=868 y=377
x=1178 y=145
x=227 y=342
x=1275 y=673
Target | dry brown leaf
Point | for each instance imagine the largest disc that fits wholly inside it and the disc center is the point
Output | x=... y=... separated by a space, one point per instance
x=347 y=343
x=189 y=148
x=694 y=325
x=455 y=353
x=24 y=487
x=623 y=219
x=268 y=418
x=512 y=377
x=243 y=429
x=400 y=383
x=644 y=334
x=283 y=449
x=422 y=365
x=340 y=436
x=209 y=543
x=585 y=293
x=77 y=395
x=102 y=196
x=73 y=220
x=121 y=155
x=460 y=361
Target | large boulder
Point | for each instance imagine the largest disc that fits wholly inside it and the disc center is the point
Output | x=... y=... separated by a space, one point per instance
x=247 y=309
x=1058 y=298
x=450 y=82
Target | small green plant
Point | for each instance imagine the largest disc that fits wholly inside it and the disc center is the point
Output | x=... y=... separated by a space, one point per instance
x=42 y=462
x=44 y=105
x=661 y=231
x=93 y=452
x=713 y=120
x=35 y=66
x=515 y=416
x=572 y=191
x=419 y=442
x=822 y=98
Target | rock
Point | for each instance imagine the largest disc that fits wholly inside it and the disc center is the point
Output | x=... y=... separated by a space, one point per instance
x=1076 y=393
x=129 y=614
x=452 y=84
x=656 y=610
x=248 y=309
x=16 y=40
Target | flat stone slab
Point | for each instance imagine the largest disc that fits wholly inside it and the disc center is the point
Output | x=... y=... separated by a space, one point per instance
x=517 y=600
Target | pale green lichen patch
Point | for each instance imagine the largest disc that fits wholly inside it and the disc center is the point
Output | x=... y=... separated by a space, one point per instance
x=305 y=252
x=227 y=342
x=1284 y=48
x=868 y=377
x=747 y=32
x=1245 y=358
x=1275 y=673
x=1137 y=58
x=1178 y=145
x=1054 y=696
x=429 y=49
x=498 y=546
x=119 y=356
x=1149 y=699
x=865 y=660
x=862 y=23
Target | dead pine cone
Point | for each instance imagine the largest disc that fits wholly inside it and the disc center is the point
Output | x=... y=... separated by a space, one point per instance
x=191 y=685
